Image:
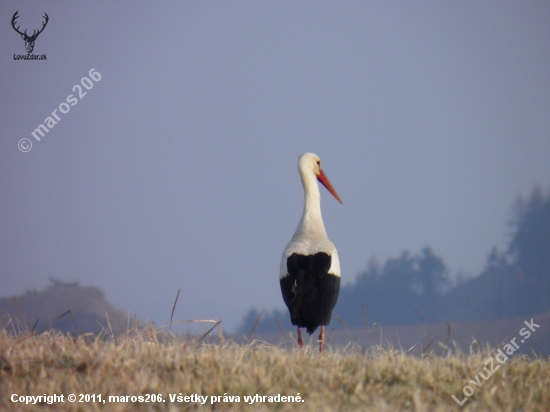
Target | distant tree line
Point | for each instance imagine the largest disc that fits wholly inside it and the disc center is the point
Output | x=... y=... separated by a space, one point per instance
x=411 y=289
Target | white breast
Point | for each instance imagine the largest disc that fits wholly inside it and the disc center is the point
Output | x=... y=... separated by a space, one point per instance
x=309 y=246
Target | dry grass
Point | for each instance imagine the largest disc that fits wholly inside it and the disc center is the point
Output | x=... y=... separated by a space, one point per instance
x=149 y=361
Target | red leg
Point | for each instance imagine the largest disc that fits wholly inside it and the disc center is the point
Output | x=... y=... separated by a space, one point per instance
x=322 y=338
x=300 y=341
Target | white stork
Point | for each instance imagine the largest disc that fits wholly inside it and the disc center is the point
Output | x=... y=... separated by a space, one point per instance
x=310 y=269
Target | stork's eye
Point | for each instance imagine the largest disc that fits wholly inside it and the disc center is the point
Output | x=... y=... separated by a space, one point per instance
x=318 y=163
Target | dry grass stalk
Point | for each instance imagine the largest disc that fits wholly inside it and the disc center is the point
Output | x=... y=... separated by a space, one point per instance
x=256 y=322
x=174 y=308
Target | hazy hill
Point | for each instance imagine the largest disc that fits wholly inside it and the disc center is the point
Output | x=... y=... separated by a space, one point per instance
x=88 y=306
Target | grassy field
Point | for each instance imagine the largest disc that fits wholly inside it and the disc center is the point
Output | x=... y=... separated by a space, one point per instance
x=149 y=363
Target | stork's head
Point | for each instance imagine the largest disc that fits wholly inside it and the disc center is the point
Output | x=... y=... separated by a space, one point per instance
x=310 y=162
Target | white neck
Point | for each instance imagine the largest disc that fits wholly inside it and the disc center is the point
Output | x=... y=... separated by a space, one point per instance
x=311 y=221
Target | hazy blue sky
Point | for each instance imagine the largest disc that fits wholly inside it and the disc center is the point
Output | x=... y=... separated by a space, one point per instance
x=178 y=169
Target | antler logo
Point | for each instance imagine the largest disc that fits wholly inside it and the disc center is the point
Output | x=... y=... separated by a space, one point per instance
x=29 y=40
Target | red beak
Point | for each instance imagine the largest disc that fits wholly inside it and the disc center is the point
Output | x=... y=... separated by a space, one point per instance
x=322 y=177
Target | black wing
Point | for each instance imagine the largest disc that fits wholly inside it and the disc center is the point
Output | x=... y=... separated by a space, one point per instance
x=309 y=291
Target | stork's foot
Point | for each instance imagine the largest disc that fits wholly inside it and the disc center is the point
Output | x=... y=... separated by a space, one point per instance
x=321 y=338
x=300 y=341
